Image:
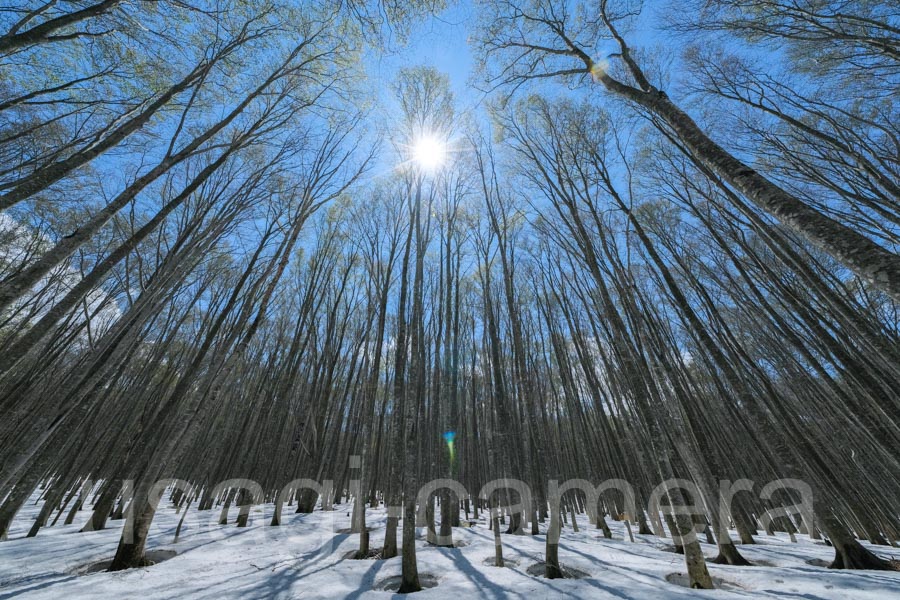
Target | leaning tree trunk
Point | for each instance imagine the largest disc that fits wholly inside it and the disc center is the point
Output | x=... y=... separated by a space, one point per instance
x=873 y=263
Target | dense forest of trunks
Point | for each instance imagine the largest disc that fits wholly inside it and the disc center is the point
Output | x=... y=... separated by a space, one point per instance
x=682 y=265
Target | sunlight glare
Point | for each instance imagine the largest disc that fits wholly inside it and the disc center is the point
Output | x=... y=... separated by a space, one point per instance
x=429 y=152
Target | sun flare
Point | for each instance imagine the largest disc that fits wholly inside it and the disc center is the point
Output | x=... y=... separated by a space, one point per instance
x=429 y=152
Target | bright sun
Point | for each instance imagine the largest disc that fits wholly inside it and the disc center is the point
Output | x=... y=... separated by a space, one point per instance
x=429 y=152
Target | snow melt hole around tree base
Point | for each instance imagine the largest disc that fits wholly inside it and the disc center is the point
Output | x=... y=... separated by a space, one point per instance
x=392 y=584
x=490 y=561
x=539 y=569
x=153 y=557
x=684 y=580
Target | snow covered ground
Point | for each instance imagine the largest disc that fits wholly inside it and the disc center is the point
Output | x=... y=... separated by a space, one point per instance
x=305 y=558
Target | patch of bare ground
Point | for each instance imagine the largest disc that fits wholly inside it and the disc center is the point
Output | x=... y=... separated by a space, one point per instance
x=683 y=580
x=392 y=584
x=153 y=557
x=539 y=569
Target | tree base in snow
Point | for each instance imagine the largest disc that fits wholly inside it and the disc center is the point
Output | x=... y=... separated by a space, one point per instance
x=729 y=555
x=540 y=570
x=372 y=554
x=684 y=580
x=149 y=559
x=393 y=584
x=855 y=556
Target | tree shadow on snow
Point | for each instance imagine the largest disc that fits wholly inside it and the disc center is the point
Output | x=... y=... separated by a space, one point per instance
x=278 y=583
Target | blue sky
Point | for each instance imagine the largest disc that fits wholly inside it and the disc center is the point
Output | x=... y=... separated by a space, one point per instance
x=439 y=42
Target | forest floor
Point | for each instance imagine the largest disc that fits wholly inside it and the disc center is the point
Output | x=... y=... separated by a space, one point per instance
x=306 y=558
